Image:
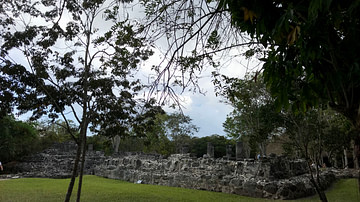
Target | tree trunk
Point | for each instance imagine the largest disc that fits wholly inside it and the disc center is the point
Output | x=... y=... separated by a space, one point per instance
x=85 y=100
x=346 y=163
x=320 y=192
x=74 y=172
x=357 y=156
x=83 y=158
x=317 y=184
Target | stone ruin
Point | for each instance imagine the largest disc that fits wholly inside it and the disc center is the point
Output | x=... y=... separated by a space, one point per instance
x=55 y=162
x=273 y=177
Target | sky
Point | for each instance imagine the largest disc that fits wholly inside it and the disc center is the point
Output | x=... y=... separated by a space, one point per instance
x=206 y=110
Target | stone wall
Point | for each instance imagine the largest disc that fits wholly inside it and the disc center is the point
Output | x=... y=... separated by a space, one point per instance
x=56 y=162
x=270 y=178
x=275 y=177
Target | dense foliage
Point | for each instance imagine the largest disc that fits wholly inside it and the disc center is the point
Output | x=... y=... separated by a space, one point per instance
x=311 y=49
x=55 y=60
x=311 y=52
x=315 y=132
x=17 y=139
x=254 y=118
x=220 y=143
x=308 y=135
x=167 y=133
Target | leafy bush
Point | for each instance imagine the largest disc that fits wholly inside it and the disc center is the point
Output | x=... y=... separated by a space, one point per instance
x=17 y=139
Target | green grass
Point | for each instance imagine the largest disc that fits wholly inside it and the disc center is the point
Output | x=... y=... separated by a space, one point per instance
x=103 y=190
x=345 y=190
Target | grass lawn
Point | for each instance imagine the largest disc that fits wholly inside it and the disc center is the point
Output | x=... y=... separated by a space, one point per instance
x=103 y=190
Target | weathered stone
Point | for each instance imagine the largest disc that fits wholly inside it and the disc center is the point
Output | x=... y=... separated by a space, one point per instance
x=276 y=177
x=250 y=188
x=271 y=188
x=236 y=182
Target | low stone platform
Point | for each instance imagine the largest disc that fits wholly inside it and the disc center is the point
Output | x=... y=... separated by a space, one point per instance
x=276 y=177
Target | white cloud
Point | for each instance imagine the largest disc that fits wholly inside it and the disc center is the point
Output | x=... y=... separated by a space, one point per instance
x=207 y=111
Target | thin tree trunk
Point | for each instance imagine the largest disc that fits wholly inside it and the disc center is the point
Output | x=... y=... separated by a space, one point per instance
x=346 y=163
x=74 y=173
x=357 y=157
x=83 y=157
x=85 y=100
x=320 y=192
x=316 y=184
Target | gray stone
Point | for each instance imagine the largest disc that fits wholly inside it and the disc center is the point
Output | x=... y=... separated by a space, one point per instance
x=271 y=188
x=276 y=177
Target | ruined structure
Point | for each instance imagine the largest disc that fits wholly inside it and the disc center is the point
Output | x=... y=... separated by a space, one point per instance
x=275 y=177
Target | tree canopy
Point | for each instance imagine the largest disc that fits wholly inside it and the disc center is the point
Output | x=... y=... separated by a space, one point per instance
x=312 y=50
x=254 y=117
x=17 y=139
x=167 y=133
x=309 y=49
x=311 y=54
x=55 y=60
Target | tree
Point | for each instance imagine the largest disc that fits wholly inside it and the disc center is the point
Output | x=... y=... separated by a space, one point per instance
x=167 y=133
x=51 y=132
x=17 y=139
x=192 y=34
x=149 y=131
x=179 y=129
x=199 y=145
x=312 y=52
x=306 y=132
x=337 y=136
x=311 y=49
x=254 y=117
x=55 y=61
x=313 y=133
x=101 y=143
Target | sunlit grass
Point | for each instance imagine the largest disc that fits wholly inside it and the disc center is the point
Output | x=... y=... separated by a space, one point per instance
x=101 y=189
